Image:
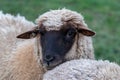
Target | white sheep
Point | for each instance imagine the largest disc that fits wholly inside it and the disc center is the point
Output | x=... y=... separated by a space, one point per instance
x=15 y=65
x=58 y=36
x=84 y=69
x=10 y=27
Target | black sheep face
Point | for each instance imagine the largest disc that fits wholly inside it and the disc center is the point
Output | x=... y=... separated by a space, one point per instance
x=55 y=44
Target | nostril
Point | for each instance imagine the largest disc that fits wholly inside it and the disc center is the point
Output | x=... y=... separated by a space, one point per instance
x=49 y=58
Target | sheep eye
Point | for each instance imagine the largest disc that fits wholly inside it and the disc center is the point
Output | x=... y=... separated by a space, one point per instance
x=42 y=32
x=71 y=33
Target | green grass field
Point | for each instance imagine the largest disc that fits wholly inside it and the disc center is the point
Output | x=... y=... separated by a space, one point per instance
x=103 y=16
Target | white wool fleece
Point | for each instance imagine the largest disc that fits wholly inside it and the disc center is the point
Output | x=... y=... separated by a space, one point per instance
x=84 y=69
x=54 y=19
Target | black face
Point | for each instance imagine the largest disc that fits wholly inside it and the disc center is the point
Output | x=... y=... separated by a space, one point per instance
x=55 y=45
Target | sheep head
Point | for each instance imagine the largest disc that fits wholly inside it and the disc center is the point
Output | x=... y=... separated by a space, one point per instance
x=58 y=33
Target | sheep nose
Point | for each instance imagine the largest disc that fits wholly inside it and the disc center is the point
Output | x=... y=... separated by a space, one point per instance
x=49 y=58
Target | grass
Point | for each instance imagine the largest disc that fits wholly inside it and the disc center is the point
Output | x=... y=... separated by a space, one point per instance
x=103 y=16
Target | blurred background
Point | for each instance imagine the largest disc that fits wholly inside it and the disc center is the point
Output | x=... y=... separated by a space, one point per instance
x=102 y=16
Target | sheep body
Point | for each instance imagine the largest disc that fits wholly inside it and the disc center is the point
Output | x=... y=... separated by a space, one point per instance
x=19 y=59
x=84 y=69
x=10 y=27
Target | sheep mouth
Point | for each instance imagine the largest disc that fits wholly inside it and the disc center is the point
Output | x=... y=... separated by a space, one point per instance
x=50 y=66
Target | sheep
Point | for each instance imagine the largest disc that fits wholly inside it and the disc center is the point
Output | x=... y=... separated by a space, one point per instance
x=84 y=69
x=10 y=26
x=58 y=36
x=61 y=35
x=15 y=65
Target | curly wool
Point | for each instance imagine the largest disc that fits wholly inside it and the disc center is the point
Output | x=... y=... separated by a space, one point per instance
x=54 y=19
x=10 y=27
x=84 y=69
x=17 y=61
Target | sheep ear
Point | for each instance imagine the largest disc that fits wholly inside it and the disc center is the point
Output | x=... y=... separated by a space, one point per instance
x=28 y=35
x=86 y=31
